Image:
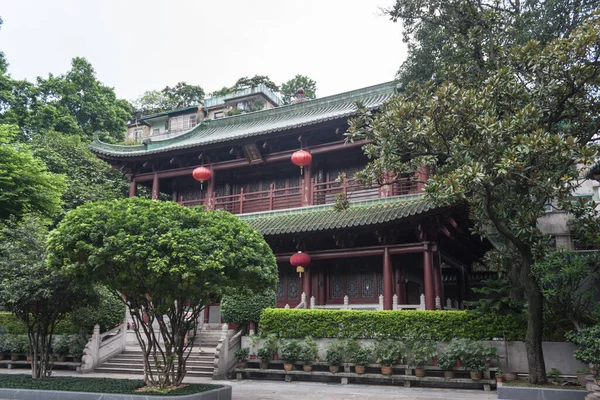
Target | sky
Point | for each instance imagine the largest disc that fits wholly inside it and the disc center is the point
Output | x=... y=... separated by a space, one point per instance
x=139 y=45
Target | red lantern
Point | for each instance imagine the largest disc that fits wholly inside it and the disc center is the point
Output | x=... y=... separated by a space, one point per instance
x=201 y=174
x=301 y=158
x=300 y=260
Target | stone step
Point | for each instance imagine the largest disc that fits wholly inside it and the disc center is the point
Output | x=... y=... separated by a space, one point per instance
x=140 y=371
x=140 y=366
x=189 y=363
x=206 y=357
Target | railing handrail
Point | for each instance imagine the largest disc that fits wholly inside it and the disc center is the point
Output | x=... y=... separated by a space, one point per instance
x=116 y=329
x=274 y=190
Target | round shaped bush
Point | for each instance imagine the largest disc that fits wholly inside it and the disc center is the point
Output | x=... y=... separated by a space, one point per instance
x=242 y=308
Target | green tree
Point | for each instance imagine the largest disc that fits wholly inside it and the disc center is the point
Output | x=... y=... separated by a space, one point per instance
x=244 y=307
x=180 y=96
x=245 y=82
x=37 y=295
x=504 y=144
x=88 y=177
x=168 y=262
x=289 y=88
x=25 y=183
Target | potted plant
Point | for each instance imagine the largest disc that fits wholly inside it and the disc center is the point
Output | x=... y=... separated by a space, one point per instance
x=289 y=353
x=490 y=354
x=253 y=340
x=422 y=353
x=499 y=375
x=272 y=344
x=457 y=348
x=19 y=345
x=242 y=355
x=60 y=348
x=307 y=353
x=334 y=357
x=387 y=358
x=76 y=346
x=361 y=358
x=4 y=348
x=264 y=355
x=475 y=363
x=446 y=363
x=589 y=347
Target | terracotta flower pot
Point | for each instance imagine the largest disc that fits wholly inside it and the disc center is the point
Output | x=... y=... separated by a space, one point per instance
x=434 y=360
x=1 y=356
x=458 y=363
x=419 y=372
x=263 y=365
x=60 y=358
x=359 y=369
x=307 y=367
x=499 y=379
x=242 y=364
x=334 y=369
x=488 y=364
x=29 y=357
x=288 y=366
x=386 y=370
x=476 y=375
x=14 y=357
x=448 y=374
x=275 y=356
x=253 y=356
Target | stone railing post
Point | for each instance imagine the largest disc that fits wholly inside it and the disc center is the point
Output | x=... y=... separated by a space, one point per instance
x=395 y=302
x=448 y=303
x=456 y=305
x=251 y=330
x=422 y=302
x=287 y=306
x=438 y=303
x=312 y=302
x=303 y=300
x=346 y=302
x=91 y=351
x=380 y=302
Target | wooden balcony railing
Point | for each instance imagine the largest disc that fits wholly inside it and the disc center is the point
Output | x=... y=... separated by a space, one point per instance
x=279 y=199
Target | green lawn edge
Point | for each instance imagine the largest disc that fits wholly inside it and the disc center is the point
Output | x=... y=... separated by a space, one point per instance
x=94 y=385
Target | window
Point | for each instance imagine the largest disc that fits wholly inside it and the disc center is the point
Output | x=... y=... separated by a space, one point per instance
x=155 y=131
x=182 y=122
x=219 y=114
x=137 y=134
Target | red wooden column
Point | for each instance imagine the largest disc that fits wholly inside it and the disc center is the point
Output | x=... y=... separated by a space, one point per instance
x=210 y=190
x=306 y=284
x=132 y=187
x=387 y=280
x=155 y=187
x=307 y=198
x=422 y=175
x=437 y=283
x=428 y=280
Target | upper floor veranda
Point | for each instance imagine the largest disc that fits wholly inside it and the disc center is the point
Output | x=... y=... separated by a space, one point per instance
x=249 y=156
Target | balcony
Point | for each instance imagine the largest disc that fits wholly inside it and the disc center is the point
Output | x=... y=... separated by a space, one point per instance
x=292 y=197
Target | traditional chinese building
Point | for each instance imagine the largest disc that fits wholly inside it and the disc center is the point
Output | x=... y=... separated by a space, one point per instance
x=385 y=249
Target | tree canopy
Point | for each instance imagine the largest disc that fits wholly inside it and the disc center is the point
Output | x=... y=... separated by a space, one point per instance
x=162 y=256
x=502 y=130
x=169 y=98
x=26 y=185
x=289 y=88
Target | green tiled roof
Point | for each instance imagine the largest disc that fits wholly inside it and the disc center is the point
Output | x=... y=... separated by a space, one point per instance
x=164 y=113
x=322 y=218
x=258 y=123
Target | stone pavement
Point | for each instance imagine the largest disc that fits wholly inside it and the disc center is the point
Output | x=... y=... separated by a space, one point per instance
x=277 y=390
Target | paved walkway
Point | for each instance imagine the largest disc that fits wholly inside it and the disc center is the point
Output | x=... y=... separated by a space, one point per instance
x=276 y=390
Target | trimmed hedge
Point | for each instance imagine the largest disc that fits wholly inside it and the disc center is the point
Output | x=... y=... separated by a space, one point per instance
x=243 y=308
x=17 y=327
x=441 y=325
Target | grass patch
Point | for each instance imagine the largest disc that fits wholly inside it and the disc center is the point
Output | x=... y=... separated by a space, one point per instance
x=94 y=385
x=545 y=386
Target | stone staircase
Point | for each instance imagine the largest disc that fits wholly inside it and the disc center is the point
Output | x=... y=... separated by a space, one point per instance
x=199 y=364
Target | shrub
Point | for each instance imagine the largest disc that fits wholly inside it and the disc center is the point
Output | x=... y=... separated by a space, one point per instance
x=108 y=312
x=362 y=356
x=243 y=308
x=289 y=350
x=242 y=354
x=18 y=344
x=423 y=352
x=442 y=326
x=589 y=341
x=264 y=354
x=272 y=343
x=17 y=327
x=76 y=345
x=446 y=362
x=307 y=350
x=334 y=354
x=60 y=346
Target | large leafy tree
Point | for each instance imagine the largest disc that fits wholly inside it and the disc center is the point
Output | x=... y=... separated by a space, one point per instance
x=26 y=185
x=169 y=98
x=88 y=177
x=289 y=88
x=244 y=83
x=168 y=262
x=36 y=294
x=503 y=138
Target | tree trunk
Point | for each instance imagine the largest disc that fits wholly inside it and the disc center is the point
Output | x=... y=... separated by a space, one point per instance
x=535 y=324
